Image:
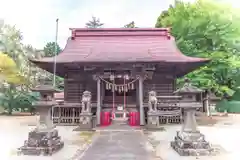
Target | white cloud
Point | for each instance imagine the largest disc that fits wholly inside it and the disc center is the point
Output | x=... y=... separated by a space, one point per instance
x=36 y=18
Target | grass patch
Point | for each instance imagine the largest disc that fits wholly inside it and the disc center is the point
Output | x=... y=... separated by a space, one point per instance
x=84 y=137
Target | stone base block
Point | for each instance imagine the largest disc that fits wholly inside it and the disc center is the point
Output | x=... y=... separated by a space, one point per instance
x=44 y=142
x=197 y=146
x=47 y=151
x=86 y=122
x=190 y=151
x=152 y=121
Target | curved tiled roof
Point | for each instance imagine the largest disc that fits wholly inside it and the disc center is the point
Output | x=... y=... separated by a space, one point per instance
x=188 y=88
x=120 y=45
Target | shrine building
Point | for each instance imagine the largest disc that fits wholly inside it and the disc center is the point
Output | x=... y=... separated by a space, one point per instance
x=119 y=67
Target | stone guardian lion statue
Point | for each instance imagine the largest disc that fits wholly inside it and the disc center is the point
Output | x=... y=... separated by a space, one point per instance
x=86 y=101
x=152 y=101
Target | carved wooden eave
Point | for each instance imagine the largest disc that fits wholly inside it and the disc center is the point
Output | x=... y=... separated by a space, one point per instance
x=213 y=97
x=45 y=88
x=188 y=89
x=89 y=68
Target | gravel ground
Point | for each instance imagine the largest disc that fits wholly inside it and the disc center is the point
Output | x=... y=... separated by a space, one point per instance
x=223 y=135
x=14 y=130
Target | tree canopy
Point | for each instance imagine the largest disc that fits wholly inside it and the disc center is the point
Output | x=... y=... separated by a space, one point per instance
x=207 y=29
x=9 y=71
x=17 y=74
x=94 y=23
x=130 y=25
x=49 y=49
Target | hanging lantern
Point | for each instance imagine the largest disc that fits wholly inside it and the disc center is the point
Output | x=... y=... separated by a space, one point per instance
x=132 y=86
x=126 y=88
x=115 y=87
x=119 y=89
x=107 y=86
x=126 y=77
x=112 y=77
x=129 y=86
x=119 y=76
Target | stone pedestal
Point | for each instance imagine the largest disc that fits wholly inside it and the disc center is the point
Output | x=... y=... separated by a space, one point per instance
x=153 y=120
x=44 y=139
x=189 y=141
x=45 y=142
x=86 y=123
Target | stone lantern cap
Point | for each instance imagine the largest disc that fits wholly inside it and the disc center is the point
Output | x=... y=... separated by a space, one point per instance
x=213 y=97
x=188 y=88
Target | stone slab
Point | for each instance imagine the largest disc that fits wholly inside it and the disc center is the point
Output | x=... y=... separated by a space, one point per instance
x=115 y=145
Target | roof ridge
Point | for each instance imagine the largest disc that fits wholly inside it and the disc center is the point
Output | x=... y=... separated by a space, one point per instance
x=103 y=32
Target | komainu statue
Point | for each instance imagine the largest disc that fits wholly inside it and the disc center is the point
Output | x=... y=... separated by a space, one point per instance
x=152 y=101
x=86 y=101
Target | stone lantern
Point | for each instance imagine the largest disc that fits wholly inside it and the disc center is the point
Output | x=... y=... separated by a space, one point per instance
x=44 y=139
x=210 y=102
x=189 y=141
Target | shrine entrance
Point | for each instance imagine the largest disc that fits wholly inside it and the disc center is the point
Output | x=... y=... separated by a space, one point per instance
x=119 y=93
x=119 y=97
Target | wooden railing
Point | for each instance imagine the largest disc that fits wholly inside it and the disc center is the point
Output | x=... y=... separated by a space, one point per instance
x=169 y=110
x=68 y=114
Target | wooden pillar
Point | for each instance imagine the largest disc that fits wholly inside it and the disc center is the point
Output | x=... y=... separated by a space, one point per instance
x=137 y=94
x=102 y=93
x=140 y=89
x=98 y=101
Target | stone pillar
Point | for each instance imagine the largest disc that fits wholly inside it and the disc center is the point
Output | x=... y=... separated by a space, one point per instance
x=190 y=124
x=98 y=101
x=140 y=89
x=207 y=104
x=44 y=121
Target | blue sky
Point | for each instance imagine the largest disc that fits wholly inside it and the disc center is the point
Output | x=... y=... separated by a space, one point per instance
x=36 y=18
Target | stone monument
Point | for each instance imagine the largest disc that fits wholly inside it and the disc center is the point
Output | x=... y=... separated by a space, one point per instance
x=189 y=141
x=86 y=113
x=210 y=102
x=44 y=139
x=152 y=114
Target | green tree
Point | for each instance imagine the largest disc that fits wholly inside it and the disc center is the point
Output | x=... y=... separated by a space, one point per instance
x=200 y=31
x=10 y=79
x=49 y=50
x=14 y=67
x=94 y=23
x=11 y=43
x=130 y=25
